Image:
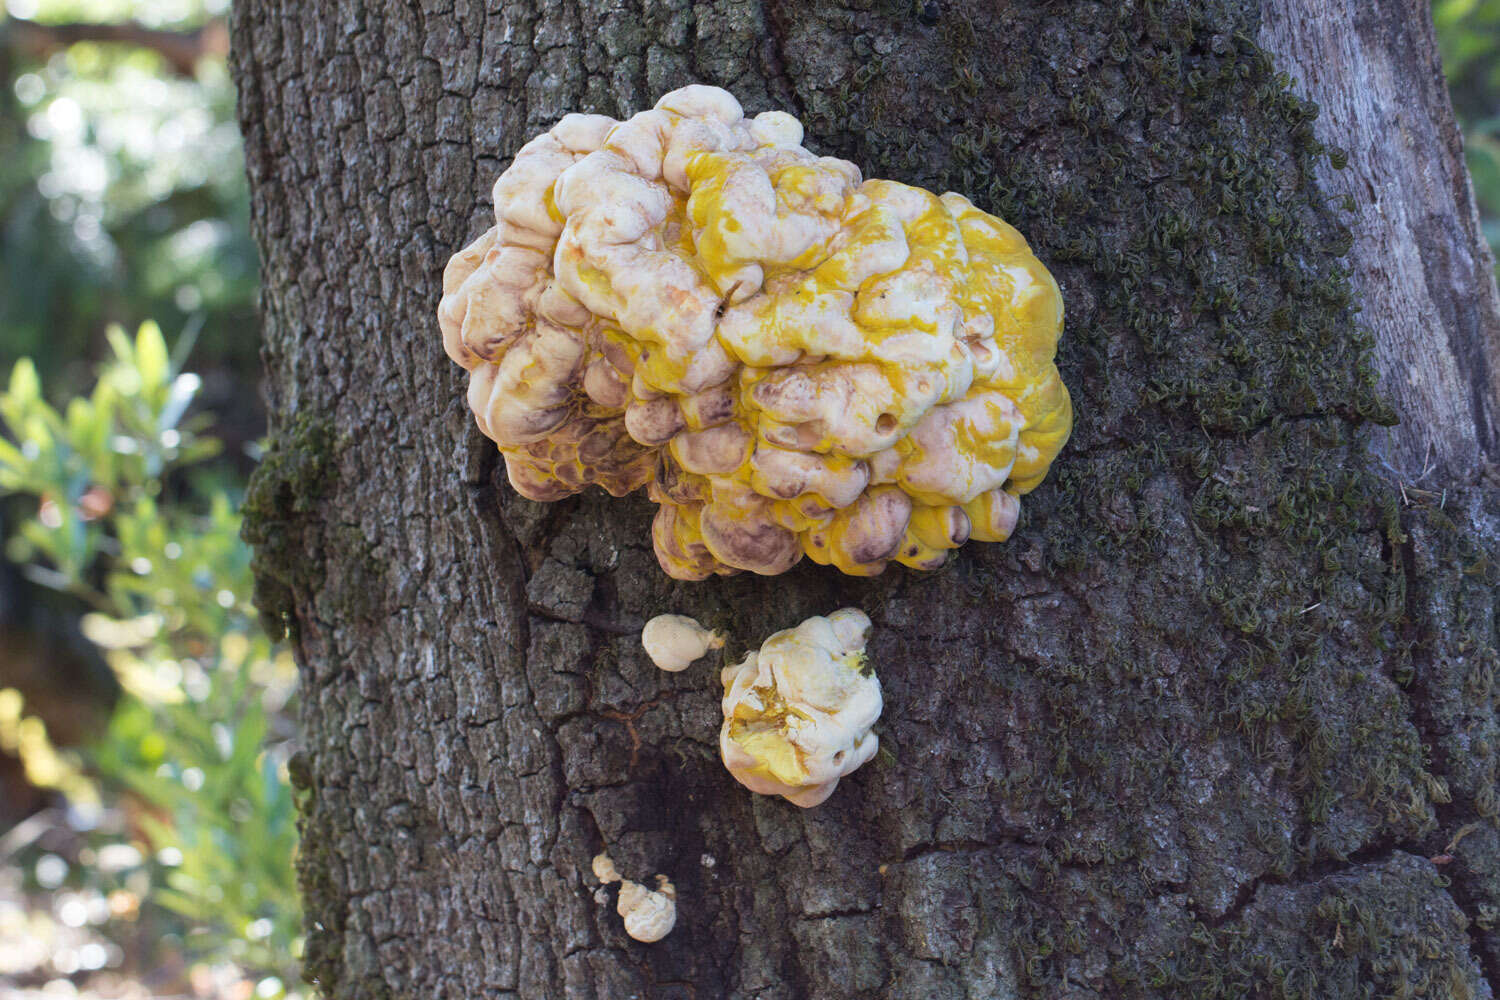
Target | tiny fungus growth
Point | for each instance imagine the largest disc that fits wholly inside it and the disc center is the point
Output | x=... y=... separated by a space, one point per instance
x=604 y=869
x=674 y=641
x=798 y=712
x=795 y=361
x=650 y=914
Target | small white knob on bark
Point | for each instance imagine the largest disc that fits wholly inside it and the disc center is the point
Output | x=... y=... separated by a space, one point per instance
x=675 y=641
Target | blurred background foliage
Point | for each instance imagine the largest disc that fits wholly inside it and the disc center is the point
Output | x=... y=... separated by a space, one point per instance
x=1469 y=36
x=147 y=826
x=183 y=784
x=125 y=195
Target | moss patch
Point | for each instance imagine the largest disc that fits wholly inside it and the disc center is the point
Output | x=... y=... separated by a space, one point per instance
x=296 y=473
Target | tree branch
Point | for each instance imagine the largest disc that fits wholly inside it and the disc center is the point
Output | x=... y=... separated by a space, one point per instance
x=181 y=49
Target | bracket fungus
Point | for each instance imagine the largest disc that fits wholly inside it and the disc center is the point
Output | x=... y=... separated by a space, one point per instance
x=793 y=360
x=798 y=712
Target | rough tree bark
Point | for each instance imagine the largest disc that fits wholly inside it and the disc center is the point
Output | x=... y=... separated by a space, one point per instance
x=1219 y=721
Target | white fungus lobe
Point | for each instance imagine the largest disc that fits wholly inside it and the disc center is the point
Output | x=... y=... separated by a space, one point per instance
x=650 y=914
x=674 y=641
x=604 y=869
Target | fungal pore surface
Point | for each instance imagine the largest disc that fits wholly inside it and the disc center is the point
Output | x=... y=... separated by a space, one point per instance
x=794 y=361
x=798 y=712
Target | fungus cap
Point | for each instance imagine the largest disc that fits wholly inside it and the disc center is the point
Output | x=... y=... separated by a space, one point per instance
x=798 y=712
x=794 y=360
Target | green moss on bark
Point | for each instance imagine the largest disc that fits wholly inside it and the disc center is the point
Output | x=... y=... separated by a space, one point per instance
x=294 y=475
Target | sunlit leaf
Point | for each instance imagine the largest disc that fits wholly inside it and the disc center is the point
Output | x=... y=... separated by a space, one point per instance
x=25 y=387
x=151 y=358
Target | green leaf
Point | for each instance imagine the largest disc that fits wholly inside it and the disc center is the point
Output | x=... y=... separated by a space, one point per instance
x=25 y=387
x=23 y=397
x=120 y=344
x=12 y=462
x=151 y=358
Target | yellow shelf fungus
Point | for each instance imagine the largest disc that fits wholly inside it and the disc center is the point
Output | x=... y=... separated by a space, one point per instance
x=798 y=712
x=795 y=361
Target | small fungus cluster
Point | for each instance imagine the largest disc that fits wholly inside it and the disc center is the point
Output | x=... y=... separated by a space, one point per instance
x=649 y=914
x=795 y=361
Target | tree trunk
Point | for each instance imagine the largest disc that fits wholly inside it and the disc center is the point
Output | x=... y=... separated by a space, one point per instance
x=1419 y=266
x=1218 y=721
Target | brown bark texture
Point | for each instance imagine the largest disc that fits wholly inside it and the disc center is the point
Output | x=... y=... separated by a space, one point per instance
x=1219 y=721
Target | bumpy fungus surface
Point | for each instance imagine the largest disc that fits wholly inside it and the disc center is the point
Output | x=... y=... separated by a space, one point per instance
x=794 y=360
x=650 y=914
x=798 y=712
